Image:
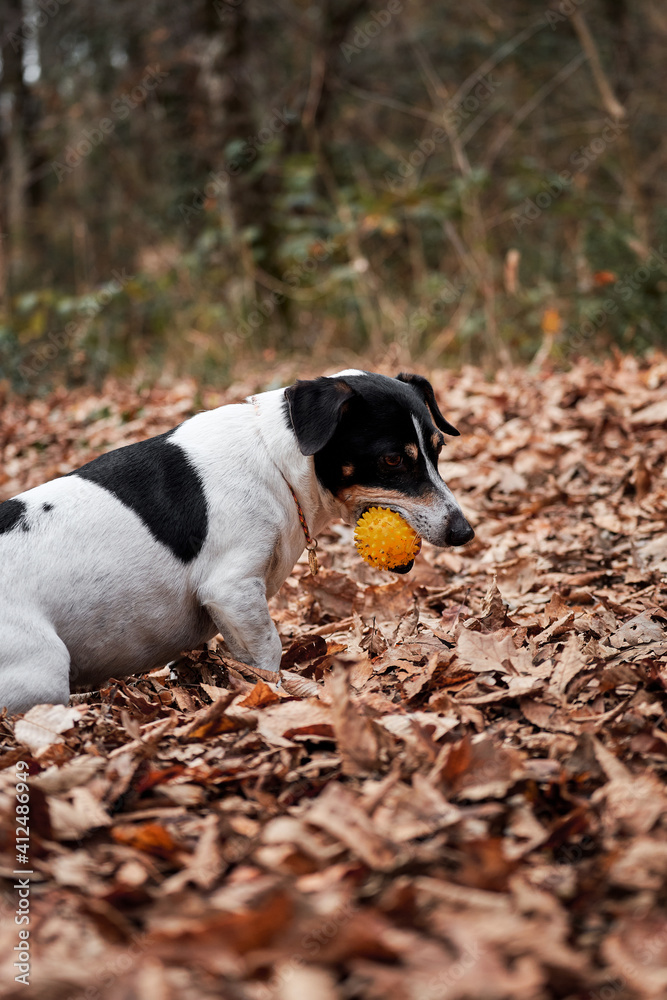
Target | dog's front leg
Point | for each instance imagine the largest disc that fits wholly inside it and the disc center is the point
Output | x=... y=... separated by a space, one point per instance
x=240 y=611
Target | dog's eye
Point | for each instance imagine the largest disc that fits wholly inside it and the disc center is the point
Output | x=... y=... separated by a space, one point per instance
x=393 y=461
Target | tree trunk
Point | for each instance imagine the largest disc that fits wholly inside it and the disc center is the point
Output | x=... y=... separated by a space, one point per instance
x=15 y=149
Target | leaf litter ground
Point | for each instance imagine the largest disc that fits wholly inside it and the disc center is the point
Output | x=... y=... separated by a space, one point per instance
x=459 y=791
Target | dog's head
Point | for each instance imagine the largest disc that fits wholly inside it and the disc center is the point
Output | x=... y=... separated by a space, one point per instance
x=375 y=442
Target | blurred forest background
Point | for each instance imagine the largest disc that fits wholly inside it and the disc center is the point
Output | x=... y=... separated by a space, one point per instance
x=191 y=185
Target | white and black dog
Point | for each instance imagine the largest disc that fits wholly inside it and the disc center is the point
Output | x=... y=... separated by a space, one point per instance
x=156 y=547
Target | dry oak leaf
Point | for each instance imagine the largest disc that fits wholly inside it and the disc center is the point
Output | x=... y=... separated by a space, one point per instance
x=648 y=627
x=517 y=687
x=642 y=637
x=75 y=815
x=295 y=837
x=636 y=950
x=214 y=719
x=301 y=687
x=570 y=663
x=387 y=601
x=260 y=696
x=484 y=651
x=642 y=864
x=634 y=802
x=56 y=780
x=335 y=592
x=614 y=521
x=306 y=647
x=494 y=613
x=214 y=938
x=407 y=626
x=519 y=576
x=655 y=413
x=373 y=642
x=79 y=868
x=280 y=724
x=477 y=768
x=547 y=717
x=337 y=811
x=205 y=865
x=424 y=677
x=42 y=725
x=362 y=744
x=403 y=724
x=152 y=838
x=406 y=811
x=560 y=627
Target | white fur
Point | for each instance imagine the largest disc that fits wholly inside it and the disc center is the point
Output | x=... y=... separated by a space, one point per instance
x=87 y=593
x=427 y=518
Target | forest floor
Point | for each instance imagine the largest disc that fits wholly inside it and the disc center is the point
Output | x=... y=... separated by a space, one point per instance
x=459 y=792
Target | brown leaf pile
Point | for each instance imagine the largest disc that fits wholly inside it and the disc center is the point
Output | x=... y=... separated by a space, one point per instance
x=459 y=791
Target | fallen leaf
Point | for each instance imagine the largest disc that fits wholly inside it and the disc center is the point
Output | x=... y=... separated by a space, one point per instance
x=336 y=810
x=281 y=724
x=43 y=725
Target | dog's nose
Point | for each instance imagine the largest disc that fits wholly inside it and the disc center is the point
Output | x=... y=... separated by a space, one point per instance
x=459 y=531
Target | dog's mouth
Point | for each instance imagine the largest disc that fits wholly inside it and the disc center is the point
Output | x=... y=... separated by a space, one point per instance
x=406 y=567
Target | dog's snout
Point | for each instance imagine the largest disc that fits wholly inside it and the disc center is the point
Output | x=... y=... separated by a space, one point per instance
x=459 y=531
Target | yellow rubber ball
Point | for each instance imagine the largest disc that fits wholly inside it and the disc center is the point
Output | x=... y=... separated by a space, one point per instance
x=384 y=539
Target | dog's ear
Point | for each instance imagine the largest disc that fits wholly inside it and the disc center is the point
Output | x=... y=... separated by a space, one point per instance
x=424 y=388
x=315 y=409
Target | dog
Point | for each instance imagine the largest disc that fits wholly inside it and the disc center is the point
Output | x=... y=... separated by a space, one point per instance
x=156 y=547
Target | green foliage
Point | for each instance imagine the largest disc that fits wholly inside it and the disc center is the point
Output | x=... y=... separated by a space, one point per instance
x=285 y=179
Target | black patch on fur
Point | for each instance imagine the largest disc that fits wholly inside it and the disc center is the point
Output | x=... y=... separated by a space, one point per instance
x=373 y=430
x=425 y=390
x=156 y=480
x=12 y=513
x=375 y=421
x=314 y=410
x=47 y=506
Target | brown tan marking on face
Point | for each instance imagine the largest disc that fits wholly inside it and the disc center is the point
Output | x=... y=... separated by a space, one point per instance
x=356 y=497
x=438 y=440
x=412 y=450
x=348 y=470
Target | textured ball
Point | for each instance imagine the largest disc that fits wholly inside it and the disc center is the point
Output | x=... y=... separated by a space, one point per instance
x=384 y=539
